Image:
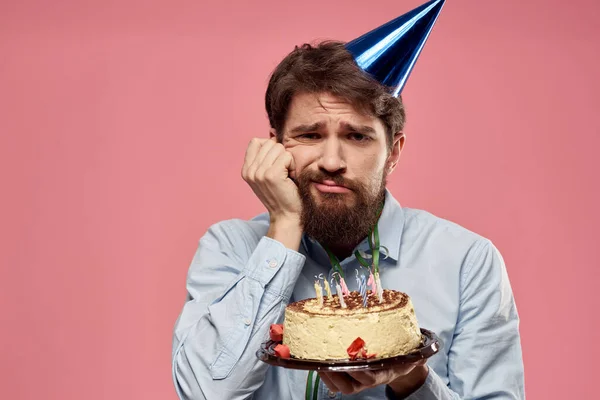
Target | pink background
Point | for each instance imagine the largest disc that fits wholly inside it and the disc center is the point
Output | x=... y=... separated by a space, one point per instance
x=123 y=127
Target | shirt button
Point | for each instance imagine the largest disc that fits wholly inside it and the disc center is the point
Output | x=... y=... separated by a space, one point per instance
x=273 y=263
x=247 y=321
x=331 y=394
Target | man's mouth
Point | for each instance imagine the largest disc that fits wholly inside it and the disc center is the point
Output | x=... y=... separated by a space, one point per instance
x=328 y=186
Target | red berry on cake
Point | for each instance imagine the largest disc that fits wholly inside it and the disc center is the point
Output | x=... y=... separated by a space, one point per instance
x=276 y=332
x=282 y=351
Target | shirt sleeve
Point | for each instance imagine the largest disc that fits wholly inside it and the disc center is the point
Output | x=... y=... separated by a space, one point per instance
x=485 y=357
x=236 y=290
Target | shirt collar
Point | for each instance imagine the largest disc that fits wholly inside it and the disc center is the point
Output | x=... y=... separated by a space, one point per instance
x=391 y=225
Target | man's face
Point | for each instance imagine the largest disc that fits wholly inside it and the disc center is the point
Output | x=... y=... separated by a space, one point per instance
x=341 y=160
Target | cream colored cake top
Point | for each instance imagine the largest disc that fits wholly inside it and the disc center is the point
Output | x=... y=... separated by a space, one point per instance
x=354 y=302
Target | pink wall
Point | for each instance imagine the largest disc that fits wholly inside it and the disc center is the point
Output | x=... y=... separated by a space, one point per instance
x=123 y=127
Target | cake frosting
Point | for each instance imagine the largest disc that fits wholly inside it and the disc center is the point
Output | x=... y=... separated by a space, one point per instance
x=325 y=332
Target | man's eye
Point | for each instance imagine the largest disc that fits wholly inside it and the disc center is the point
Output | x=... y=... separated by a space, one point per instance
x=309 y=136
x=359 y=137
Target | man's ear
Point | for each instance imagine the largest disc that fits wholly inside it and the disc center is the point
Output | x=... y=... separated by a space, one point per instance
x=396 y=151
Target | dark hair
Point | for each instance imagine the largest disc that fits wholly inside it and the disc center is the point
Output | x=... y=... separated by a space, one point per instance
x=329 y=67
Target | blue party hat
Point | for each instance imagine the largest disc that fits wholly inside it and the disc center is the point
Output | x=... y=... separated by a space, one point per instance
x=389 y=53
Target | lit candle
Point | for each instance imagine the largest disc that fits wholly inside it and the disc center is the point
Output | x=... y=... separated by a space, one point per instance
x=357 y=280
x=362 y=288
x=340 y=295
x=371 y=282
x=319 y=291
x=328 y=290
x=379 y=287
x=345 y=290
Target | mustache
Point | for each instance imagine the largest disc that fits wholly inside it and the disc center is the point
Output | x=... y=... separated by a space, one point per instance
x=320 y=176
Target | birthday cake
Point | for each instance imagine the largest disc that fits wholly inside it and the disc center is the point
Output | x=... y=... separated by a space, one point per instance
x=363 y=327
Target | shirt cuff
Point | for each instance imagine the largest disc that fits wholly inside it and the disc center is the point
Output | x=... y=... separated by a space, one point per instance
x=268 y=259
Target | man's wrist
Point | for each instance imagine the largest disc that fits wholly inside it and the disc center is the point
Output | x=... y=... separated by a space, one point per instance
x=286 y=230
x=407 y=385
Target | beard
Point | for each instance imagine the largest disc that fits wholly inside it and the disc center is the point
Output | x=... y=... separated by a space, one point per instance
x=339 y=219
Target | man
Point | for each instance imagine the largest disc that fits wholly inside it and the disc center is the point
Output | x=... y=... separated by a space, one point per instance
x=336 y=134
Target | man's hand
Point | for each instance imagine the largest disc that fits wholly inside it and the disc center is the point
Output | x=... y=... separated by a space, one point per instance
x=268 y=169
x=403 y=379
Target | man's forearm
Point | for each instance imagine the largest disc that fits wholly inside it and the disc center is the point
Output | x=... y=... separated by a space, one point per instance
x=217 y=335
x=433 y=388
x=409 y=384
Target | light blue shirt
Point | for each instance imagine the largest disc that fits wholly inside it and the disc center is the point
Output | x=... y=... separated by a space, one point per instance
x=240 y=281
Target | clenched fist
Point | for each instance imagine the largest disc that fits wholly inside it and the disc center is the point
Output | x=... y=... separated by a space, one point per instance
x=267 y=169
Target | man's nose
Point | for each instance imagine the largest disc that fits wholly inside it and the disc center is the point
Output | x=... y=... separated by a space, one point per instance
x=332 y=156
